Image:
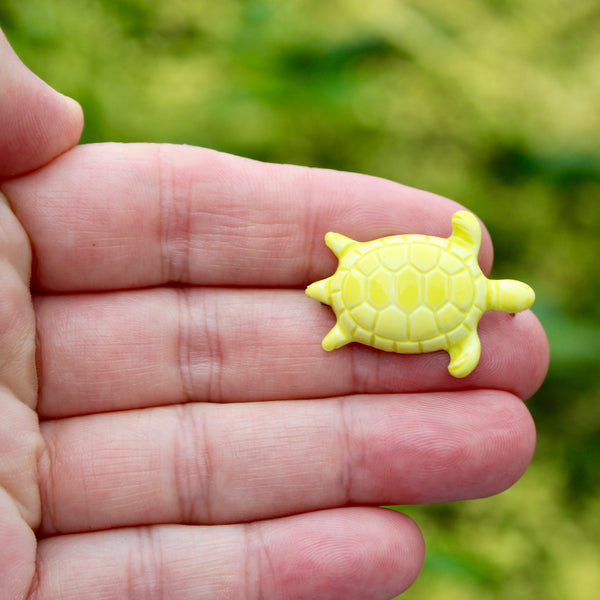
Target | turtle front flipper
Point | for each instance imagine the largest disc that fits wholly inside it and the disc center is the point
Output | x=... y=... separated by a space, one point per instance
x=464 y=355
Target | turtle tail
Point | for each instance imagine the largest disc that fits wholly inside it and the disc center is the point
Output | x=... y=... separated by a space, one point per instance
x=509 y=295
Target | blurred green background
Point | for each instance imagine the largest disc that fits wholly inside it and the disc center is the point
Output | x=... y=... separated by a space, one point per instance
x=494 y=103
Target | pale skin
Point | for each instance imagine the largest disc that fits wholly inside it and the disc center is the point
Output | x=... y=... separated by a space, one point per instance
x=194 y=440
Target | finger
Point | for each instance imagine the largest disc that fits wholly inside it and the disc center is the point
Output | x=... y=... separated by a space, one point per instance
x=202 y=463
x=357 y=554
x=36 y=122
x=114 y=351
x=143 y=215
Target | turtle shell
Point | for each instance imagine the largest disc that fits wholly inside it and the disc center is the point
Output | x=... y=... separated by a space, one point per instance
x=409 y=293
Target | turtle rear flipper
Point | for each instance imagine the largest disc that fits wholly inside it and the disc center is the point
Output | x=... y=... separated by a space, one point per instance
x=466 y=230
x=464 y=355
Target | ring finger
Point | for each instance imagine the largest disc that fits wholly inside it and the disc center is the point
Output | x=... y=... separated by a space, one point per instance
x=207 y=463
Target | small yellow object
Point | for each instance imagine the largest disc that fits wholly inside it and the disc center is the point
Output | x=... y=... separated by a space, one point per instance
x=416 y=293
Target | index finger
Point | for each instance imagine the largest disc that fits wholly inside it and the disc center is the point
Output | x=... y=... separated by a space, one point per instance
x=113 y=216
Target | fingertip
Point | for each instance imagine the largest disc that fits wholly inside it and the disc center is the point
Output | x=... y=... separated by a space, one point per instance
x=515 y=353
x=350 y=553
x=412 y=543
x=513 y=443
x=37 y=123
x=73 y=113
x=538 y=341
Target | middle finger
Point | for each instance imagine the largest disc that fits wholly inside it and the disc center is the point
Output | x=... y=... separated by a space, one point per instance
x=124 y=350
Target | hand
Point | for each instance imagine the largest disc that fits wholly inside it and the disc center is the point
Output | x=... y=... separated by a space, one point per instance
x=196 y=441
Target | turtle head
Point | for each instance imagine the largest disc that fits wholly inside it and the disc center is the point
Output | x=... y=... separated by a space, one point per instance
x=509 y=295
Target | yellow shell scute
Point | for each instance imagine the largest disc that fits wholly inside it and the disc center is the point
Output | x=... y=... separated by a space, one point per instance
x=415 y=293
x=365 y=316
x=353 y=289
x=424 y=257
x=393 y=323
x=452 y=264
x=458 y=333
x=393 y=257
x=436 y=289
x=380 y=288
x=408 y=287
x=449 y=317
x=364 y=336
x=463 y=289
x=385 y=344
x=422 y=324
x=367 y=264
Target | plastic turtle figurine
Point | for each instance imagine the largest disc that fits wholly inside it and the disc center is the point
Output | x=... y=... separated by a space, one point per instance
x=416 y=293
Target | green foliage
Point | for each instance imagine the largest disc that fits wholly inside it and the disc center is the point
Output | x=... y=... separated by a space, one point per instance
x=493 y=103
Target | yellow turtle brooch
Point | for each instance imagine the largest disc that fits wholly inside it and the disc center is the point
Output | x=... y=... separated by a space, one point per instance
x=416 y=293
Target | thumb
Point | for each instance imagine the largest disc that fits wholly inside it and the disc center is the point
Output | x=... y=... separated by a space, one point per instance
x=36 y=122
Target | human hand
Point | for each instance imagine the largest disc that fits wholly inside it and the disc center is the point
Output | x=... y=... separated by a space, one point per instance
x=196 y=441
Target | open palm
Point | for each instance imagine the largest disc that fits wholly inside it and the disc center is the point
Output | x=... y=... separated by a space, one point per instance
x=194 y=440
